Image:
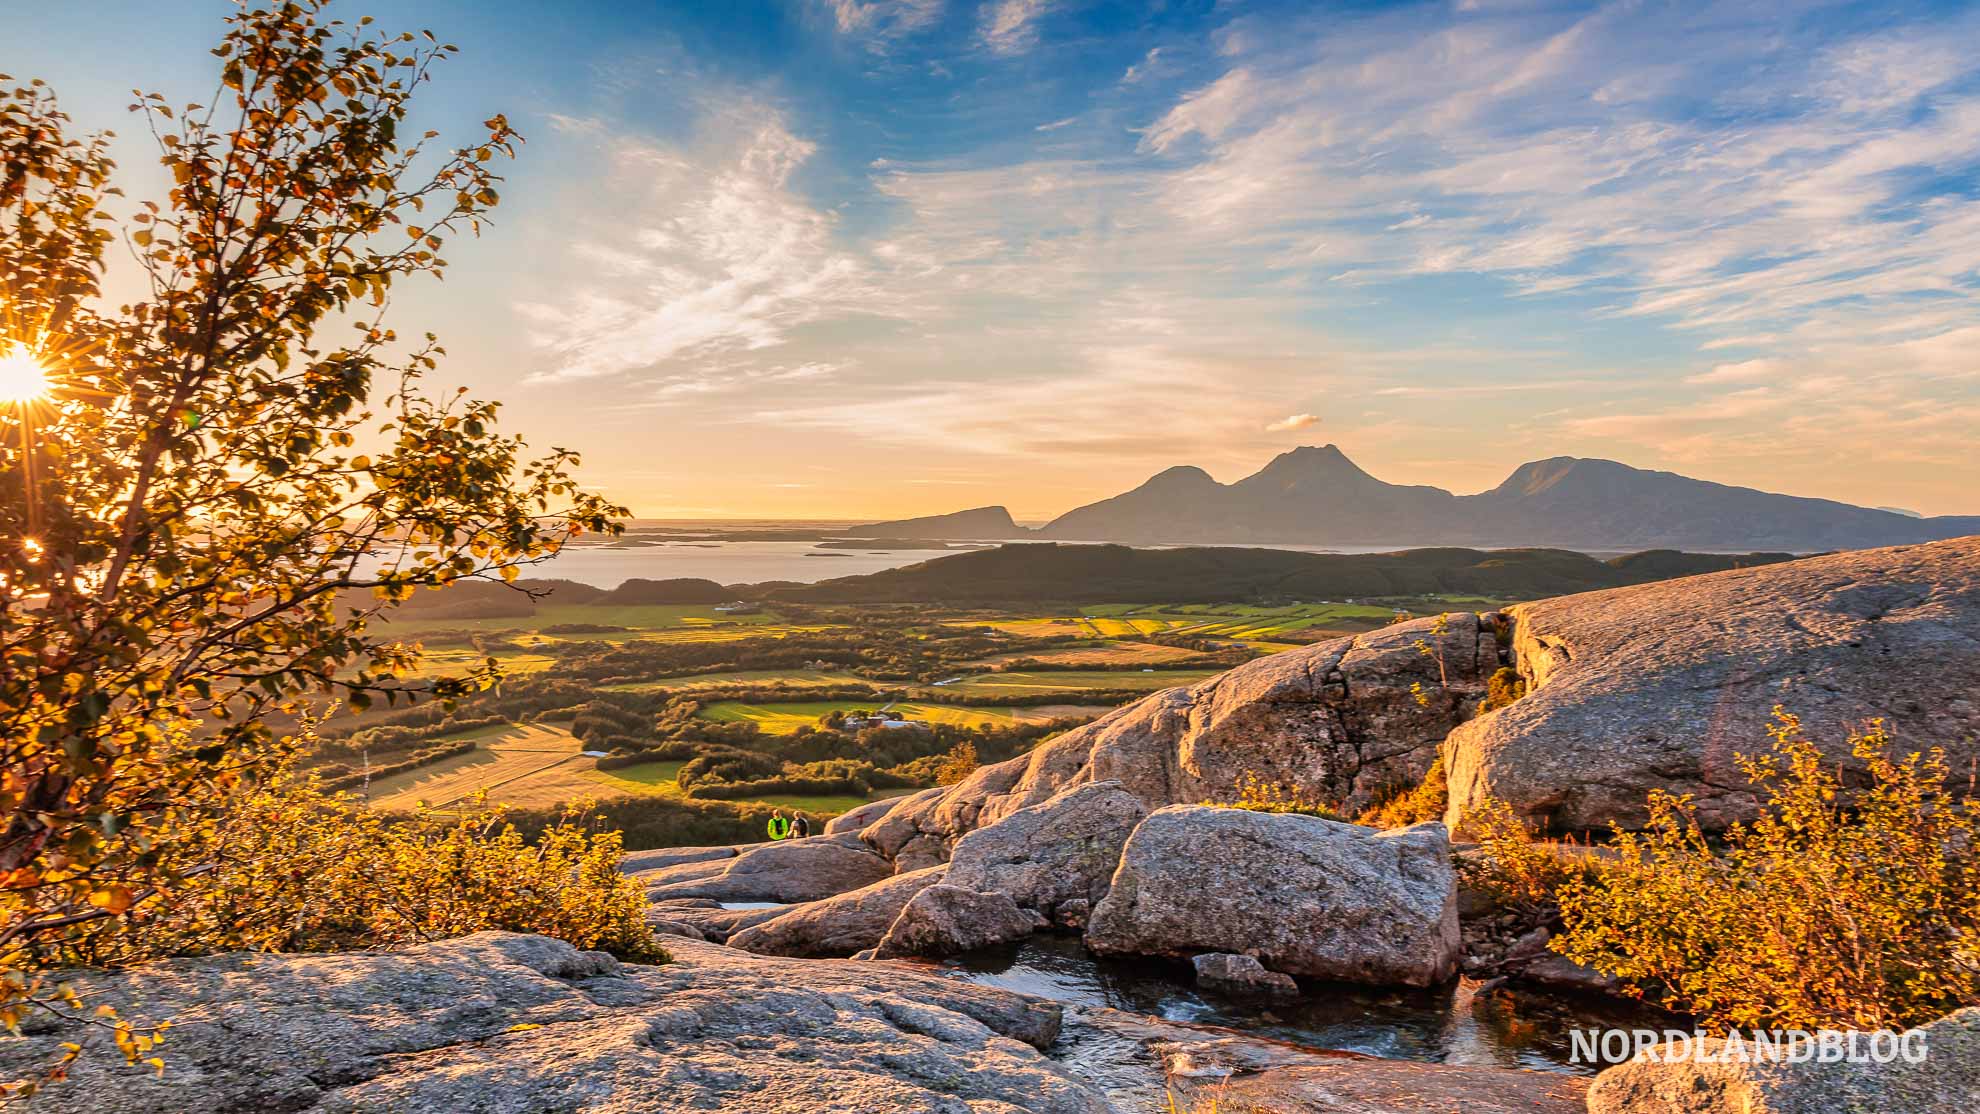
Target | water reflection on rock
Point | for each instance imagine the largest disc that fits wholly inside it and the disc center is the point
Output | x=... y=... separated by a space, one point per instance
x=1454 y=1024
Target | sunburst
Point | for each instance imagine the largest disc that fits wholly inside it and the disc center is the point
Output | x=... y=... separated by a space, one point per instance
x=22 y=377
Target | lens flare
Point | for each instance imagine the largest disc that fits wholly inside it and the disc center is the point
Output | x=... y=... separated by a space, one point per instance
x=22 y=378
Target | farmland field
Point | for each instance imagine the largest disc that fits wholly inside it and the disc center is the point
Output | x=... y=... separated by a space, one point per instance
x=796 y=678
x=532 y=767
x=1073 y=682
x=784 y=718
x=501 y=763
x=1099 y=655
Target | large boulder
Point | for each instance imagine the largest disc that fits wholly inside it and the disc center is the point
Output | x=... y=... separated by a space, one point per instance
x=1303 y=895
x=944 y=920
x=855 y=819
x=1670 y=1079
x=1662 y=686
x=787 y=871
x=1056 y=858
x=505 y=1024
x=837 y=926
x=645 y=863
x=1341 y=721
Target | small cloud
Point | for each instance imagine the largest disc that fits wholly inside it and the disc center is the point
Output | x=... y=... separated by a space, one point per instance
x=1292 y=422
x=1056 y=124
x=1141 y=69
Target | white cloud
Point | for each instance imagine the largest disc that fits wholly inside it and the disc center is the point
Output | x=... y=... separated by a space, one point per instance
x=710 y=251
x=1140 y=70
x=1011 y=26
x=1292 y=422
x=881 y=20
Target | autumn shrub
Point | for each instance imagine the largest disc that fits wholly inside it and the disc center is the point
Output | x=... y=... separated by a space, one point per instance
x=1405 y=804
x=1504 y=686
x=959 y=763
x=1256 y=794
x=295 y=868
x=1840 y=906
x=1517 y=871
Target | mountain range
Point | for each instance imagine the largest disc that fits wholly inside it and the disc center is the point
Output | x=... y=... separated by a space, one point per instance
x=1317 y=496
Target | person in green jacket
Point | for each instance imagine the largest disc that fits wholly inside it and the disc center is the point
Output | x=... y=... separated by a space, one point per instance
x=779 y=827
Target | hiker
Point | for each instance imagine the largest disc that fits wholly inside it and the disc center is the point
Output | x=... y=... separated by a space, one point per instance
x=800 y=827
x=780 y=828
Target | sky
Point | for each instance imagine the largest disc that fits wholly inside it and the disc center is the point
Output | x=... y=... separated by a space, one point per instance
x=876 y=258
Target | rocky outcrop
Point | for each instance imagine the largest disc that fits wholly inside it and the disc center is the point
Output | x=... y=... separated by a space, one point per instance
x=499 y=1022
x=791 y=870
x=646 y=863
x=1662 y=686
x=838 y=926
x=705 y=919
x=1338 y=720
x=854 y=820
x=1303 y=895
x=1945 y=1081
x=1055 y=858
x=1242 y=974
x=943 y=920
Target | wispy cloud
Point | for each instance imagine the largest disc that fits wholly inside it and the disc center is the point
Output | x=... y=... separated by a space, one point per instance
x=1011 y=26
x=1142 y=69
x=711 y=251
x=882 y=20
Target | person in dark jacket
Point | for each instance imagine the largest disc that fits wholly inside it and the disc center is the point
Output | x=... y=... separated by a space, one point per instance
x=800 y=827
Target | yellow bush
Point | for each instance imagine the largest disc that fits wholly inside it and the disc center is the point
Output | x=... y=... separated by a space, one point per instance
x=1258 y=795
x=959 y=763
x=297 y=869
x=1502 y=688
x=1516 y=870
x=1406 y=805
x=1837 y=907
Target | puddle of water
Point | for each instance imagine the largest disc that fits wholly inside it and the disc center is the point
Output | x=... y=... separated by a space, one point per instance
x=1451 y=1024
x=751 y=904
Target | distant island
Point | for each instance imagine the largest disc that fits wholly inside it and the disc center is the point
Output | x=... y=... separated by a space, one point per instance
x=1225 y=574
x=1317 y=496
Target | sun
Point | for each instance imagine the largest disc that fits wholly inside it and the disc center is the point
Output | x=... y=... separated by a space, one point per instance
x=22 y=378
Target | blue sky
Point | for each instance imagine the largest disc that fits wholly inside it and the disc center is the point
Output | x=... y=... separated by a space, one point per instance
x=852 y=257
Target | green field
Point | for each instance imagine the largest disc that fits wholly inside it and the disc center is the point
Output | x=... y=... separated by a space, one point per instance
x=797 y=678
x=784 y=718
x=1072 y=682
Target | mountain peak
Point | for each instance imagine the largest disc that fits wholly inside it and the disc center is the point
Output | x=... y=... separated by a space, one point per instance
x=1182 y=476
x=1308 y=463
x=1537 y=476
